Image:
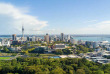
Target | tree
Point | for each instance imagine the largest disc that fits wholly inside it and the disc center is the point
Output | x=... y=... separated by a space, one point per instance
x=99 y=72
x=71 y=72
x=66 y=51
x=5 y=49
x=80 y=71
x=58 y=51
x=33 y=65
x=30 y=70
x=58 y=70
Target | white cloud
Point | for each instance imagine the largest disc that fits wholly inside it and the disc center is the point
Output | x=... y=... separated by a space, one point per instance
x=50 y=31
x=11 y=19
x=98 y=28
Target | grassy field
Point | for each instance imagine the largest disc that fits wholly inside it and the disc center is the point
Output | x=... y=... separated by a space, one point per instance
x=5 y=58
x=41 y=55
x=8 y=54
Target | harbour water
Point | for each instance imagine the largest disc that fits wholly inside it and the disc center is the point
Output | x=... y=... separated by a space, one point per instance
x=93 y=38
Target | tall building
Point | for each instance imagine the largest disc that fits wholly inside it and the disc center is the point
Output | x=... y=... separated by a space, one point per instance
x=58 y=39
x=55 y=38
x=37 y=39
x=68 y=37
x=62 y=37
x=14 y=37
x=46 y=38
x=28 y=39
x=33 y=38
x=22 y=32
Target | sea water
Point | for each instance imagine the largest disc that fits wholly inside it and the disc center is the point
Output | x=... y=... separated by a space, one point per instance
x=92 y=38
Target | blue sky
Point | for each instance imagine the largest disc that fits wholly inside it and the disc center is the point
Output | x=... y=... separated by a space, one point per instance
x=56 y=16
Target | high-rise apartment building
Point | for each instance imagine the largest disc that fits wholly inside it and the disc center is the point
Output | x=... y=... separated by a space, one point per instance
x=33 y=38
x=14 y=37
x=68 y=37
x=28 y=39
x=55 y=38
x=62 y=37
x=46 y=38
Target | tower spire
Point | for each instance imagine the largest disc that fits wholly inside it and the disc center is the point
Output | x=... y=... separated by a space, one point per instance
x=22 y=32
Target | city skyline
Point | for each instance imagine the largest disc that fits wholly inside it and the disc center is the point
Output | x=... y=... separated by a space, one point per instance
x=55 y=17
x=54 y=37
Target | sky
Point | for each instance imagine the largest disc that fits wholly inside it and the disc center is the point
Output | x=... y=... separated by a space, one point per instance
x=55 y=16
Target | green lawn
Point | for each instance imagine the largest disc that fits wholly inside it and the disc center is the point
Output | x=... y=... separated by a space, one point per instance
x=4 y=58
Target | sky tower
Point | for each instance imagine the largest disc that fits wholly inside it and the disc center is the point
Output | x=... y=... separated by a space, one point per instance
x=22 y=32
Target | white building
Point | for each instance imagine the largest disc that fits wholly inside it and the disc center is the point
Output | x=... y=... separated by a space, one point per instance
x=73 y=41
x=68 y=37
x=15 y=48
x=4 y=42
x=81 y=42
x=104 y=42
x=0 y=44
x=59 y=46
x=33 y=38
x=36 y=38
x=7 y=43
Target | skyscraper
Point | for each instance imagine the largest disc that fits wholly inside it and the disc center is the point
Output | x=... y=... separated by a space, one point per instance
x=68 y=37
x=55 y=38
x=62 y=37
x=14 y=37
x=33 y=38
x=46 y=38
x=28 y=39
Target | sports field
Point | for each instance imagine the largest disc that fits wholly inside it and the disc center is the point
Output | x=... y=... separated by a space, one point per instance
x=5 y=58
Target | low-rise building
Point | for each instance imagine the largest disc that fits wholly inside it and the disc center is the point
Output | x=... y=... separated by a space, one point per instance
x=15 y=49
x=73 y=41
x=108 y=48
x=98 y=49
x=59 y=46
